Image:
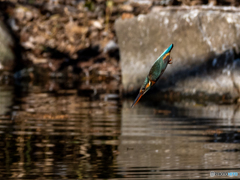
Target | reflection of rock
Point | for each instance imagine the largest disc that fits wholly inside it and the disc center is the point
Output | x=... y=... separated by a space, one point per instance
x=184 y=140
x=6 y=97
x=202 y=57
x=192 y=109
x=6 y=54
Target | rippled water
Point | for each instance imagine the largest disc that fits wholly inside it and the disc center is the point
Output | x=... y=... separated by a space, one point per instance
x=71 y=134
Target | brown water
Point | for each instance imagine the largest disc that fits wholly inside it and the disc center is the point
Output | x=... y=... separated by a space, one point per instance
x=70 y=134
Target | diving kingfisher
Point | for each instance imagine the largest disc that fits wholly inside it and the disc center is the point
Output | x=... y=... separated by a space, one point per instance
x=155 y=73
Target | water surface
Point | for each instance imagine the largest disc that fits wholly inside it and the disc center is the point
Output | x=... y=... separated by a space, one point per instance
x=74 y=134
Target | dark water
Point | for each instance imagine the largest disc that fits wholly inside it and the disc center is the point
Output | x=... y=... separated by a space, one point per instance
x=70 y=134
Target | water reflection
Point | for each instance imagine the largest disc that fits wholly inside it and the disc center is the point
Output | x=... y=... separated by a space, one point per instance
x=57 y=135
x=184 y=140
x=56 y=132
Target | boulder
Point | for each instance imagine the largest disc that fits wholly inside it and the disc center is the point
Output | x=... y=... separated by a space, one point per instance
x=206 y=46
x=6 y=53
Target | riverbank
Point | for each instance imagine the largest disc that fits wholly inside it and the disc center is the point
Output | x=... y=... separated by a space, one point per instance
x=76 y=42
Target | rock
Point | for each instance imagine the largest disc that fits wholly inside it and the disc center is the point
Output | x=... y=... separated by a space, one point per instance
x=111 y=46
x=24 y=73
x=205 y=43
x=23 y=13
x=53 y=8
x=27 y=45
x=127 y=16
x=6 y=53
x=119 y=1
x=72 y=28
x=141 y=2
x=236 y=75
x=212 y=2
x=12 y=24
x=126 y=8
x=97 y=24
x=163 y=2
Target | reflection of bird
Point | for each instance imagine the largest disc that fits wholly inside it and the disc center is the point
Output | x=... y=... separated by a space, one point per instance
x=155 y=72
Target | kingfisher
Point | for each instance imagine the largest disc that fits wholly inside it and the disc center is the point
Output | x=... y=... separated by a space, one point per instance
x=155 y=73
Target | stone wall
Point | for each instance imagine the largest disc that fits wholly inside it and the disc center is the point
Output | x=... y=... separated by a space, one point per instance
x=205 y=54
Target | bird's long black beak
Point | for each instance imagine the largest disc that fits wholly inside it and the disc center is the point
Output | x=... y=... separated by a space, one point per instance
x=137 y=99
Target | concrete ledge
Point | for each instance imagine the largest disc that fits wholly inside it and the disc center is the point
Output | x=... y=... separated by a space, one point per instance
x=206 y=47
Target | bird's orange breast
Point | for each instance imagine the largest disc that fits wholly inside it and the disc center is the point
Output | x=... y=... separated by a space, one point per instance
x=166 y=55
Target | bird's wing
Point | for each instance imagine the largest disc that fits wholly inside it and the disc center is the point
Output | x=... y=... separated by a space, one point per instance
x=155 y=71
x=160 y=64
